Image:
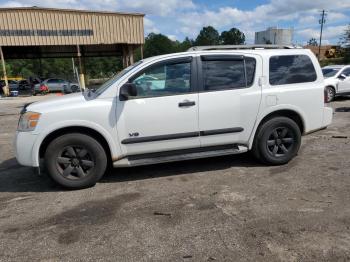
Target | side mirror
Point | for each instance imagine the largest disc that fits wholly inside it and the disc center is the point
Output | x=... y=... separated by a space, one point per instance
x=127 y=90
x=342 y=76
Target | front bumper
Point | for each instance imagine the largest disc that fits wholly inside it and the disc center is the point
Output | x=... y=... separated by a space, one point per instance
x=24 y=143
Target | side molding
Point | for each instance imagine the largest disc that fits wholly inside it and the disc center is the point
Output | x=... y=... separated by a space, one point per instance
x=134 y=140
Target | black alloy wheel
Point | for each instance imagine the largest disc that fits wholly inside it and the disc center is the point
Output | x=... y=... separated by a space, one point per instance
x=280 y=141
x=277 y=141
x=75 y=160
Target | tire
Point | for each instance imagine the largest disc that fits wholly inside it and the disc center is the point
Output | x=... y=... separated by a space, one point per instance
x=74 y=89
x=75 y=161
x=277 y=141
x=330 y=93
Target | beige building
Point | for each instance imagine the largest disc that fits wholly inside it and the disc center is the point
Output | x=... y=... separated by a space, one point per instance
x=33 y=32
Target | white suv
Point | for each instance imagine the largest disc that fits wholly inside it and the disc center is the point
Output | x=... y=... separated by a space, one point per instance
x=337 y=80
x=206 y=102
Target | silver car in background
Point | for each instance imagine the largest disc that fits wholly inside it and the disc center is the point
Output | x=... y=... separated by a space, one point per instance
x=57 y=85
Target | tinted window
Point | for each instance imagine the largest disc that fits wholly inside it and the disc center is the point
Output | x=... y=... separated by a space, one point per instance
x=228 y=74
x=52 y=81
x=163 y=80
x=291 y=69
x=250 y=64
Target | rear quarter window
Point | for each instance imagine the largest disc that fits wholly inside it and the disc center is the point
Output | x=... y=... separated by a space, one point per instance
x=291 y=69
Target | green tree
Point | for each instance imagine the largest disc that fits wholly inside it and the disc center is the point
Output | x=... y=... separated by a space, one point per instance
x=208 y=36
x=186 y=44
x=102 y=67
x=312 y=42
x=157 y=44
x=232 y=37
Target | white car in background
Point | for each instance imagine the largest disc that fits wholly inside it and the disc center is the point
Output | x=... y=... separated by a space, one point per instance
x=337 y=80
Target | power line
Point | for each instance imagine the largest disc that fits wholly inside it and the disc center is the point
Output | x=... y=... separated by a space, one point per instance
x=322 y=21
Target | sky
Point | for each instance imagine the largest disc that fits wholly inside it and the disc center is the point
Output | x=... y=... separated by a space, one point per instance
x=184 y=18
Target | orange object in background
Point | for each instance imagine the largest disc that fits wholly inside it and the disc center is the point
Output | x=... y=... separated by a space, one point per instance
x=44 y=88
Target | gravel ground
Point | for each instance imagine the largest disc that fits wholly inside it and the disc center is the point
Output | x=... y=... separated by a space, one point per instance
x=220 y=209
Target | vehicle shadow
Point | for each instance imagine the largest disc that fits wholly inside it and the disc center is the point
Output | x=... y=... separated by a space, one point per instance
x=342 y=109
x=16 y=178
x=179 y=168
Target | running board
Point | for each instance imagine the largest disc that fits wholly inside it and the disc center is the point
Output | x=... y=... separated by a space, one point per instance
x=138 y=160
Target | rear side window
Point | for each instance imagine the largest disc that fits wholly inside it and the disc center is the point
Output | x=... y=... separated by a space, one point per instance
x=291 y=69
x=228 y=74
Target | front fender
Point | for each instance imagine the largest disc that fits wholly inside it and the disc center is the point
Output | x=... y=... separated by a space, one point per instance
x=114 y=148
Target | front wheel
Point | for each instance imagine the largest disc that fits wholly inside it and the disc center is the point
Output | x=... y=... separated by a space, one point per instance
x=330 y=94
x=75 y=160
x=277 y=141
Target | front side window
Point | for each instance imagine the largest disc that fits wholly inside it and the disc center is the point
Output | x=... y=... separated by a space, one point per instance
x=346 y=72
x=291 y=69
x=228 y=74
x=164 y=80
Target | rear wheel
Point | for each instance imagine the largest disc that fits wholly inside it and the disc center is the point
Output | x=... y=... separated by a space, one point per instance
x=74 y=89
x=277 y=141
x=75 y=160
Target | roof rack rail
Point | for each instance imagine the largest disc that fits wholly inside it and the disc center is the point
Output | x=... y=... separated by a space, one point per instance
x=236 y=47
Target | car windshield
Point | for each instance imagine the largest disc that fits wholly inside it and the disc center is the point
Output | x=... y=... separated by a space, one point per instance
x=116 y=77
x=328 y=72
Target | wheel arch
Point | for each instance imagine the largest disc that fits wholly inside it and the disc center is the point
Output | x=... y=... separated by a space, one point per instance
x=75 y=129
x=332 y=86
x=290 y=113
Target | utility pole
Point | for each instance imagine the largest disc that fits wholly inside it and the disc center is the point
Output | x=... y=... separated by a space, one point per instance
x=322 y=21
x=6 y=87
x=81 y=70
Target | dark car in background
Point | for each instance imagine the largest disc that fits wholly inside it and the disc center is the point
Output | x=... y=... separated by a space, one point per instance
x=13 y=85
x=23 y=85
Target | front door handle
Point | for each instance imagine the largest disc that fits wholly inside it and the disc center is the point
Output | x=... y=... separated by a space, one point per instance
x=186 y=103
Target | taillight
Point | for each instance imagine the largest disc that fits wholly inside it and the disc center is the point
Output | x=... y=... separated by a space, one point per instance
x=325 y=96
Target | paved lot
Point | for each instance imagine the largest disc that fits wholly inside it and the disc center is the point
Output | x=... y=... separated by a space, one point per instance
x=220 y=209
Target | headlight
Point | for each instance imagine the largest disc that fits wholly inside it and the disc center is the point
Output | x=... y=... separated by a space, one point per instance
x=28 y=121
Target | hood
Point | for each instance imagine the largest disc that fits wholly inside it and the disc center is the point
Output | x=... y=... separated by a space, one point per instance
x=331 y=81
x=55 y=103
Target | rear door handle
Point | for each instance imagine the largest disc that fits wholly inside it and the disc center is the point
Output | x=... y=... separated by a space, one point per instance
x=186 y=103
